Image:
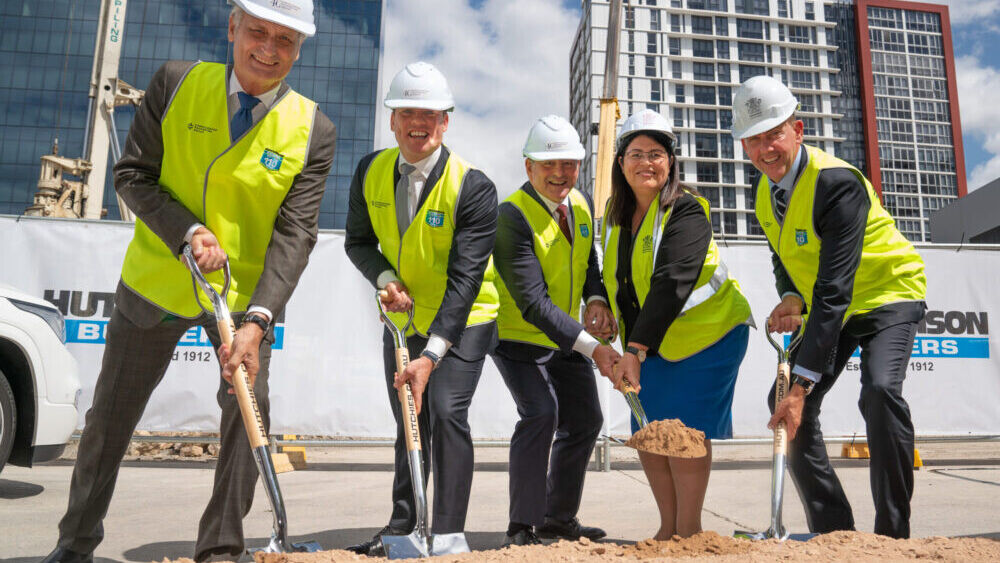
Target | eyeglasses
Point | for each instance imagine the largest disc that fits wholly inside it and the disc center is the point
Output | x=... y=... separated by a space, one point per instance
x=655 y=157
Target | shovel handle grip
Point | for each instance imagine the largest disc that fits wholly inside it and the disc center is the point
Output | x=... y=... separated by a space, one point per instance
x=411 y=427
x=252 y=421
x=780 y=390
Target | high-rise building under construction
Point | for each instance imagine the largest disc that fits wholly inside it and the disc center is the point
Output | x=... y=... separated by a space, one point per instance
x=886 y=104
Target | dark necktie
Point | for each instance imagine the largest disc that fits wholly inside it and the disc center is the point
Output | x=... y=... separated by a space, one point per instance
x=562 y=214
x=403 y=217
x=780 y=201
x=244 y=116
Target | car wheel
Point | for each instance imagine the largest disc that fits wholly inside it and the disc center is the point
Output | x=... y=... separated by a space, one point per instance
x=8 y=420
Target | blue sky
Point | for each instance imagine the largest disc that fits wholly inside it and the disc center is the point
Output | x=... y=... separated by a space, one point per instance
x=507 y=62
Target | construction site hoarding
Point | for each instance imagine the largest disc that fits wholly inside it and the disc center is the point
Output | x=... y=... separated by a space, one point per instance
x=327 y=368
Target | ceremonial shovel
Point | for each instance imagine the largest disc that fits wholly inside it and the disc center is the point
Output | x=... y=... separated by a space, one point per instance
x=419 y=543
x=248 y=408
x=777 y=529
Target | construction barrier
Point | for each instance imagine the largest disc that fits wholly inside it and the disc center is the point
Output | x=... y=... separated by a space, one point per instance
x=327 y=375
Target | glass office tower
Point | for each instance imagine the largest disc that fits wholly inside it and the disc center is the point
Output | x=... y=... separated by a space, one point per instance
x=46 y=53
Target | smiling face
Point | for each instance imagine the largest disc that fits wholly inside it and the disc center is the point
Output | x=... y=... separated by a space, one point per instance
x=773 y=152
x=419 y=132
x=646 y=166
x=263 y=52
x=552 y=178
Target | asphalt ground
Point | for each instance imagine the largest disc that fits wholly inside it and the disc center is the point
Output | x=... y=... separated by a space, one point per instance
x=343 y=496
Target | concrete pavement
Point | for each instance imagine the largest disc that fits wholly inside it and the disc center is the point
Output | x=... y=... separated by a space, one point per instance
x=344 y=496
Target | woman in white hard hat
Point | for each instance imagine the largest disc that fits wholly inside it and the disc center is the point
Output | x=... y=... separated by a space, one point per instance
x=683 y=320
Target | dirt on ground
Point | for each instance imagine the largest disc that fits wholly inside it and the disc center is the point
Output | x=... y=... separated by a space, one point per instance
x=669 y=437
x=706 y=546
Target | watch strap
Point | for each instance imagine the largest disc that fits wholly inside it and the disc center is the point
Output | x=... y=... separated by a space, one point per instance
x=257 y=320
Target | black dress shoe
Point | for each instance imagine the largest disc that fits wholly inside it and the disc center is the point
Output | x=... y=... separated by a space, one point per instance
x=374 y=547
x=63 y=555
x=571 y=530
x=521 y=537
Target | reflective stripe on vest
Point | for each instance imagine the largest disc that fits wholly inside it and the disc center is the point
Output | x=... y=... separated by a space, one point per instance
x=890 y=269
x=563 y=262
x=420 y=255
x=234 y=189
x=715 y=306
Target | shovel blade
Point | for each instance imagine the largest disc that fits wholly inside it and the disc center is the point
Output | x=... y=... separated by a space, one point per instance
x=278 y=546
x=449 y=544
x=772 y=535
x=410 y=546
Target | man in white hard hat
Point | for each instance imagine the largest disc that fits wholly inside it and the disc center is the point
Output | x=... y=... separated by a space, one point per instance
x=233 y=162
x=421 y=225
x=547 y=262
x=839 y=259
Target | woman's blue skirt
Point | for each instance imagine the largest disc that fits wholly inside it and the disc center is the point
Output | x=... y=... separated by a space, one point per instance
x=697 y=390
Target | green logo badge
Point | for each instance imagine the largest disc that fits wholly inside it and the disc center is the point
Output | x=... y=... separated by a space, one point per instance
x=585 y=231
x=271 y=160
x=434 y=218
x=800 y=237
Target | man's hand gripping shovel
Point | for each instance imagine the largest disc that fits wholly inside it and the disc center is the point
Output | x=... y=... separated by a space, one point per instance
x=777 y=529
x=248 y=408
x=419 y=543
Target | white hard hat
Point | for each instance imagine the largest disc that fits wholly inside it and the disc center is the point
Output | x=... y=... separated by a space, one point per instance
x=761 y=104
x=420 y=85
x=553 y=138
x=294 y=14
x=645 y=120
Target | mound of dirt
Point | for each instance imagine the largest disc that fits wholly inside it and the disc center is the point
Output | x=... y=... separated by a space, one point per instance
x=669 y=437
x=706 y=546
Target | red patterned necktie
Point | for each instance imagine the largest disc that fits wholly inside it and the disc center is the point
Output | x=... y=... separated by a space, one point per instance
x=562 y=212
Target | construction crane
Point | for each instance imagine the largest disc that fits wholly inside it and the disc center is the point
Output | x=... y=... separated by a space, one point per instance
x=59 y=197
x=609 y=113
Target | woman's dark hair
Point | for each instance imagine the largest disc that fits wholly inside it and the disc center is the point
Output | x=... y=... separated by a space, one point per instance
x=621 y=204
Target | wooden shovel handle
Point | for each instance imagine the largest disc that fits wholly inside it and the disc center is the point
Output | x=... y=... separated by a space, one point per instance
x=411 y=428
x=780 y=390
x=252 y=420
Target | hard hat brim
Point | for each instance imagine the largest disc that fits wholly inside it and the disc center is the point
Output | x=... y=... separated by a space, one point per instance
x=420 y=104
x=307 y=29
x=573 y=154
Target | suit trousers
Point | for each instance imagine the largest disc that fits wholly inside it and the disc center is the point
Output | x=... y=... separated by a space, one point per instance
x=135 y=359
x=557 y=396
x=885 y=354
x=445 y=437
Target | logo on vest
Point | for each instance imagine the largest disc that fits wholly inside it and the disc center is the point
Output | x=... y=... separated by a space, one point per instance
x=647 y=244
x=199 y=128
x=800 y=237
x=271 y=160
x=434 y=218
x=380 y=204
x=585 y=231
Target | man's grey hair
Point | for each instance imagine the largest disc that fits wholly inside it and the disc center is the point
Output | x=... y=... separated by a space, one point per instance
x=237 y=16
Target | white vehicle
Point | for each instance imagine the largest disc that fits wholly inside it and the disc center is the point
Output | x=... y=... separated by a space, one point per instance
x=39 y=383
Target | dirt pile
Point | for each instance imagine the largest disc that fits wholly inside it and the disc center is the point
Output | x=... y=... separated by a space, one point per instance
x=669 y=437
x=707 y=546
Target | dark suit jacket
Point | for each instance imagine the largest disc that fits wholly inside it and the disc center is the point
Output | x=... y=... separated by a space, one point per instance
x=137 y=183
x=521 y=270
x=472 y=245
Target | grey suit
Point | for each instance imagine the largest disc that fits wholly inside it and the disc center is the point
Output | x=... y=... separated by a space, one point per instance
x=141 y=336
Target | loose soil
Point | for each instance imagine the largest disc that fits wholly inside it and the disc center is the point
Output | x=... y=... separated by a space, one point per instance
x=706 y=546
x=669 y=437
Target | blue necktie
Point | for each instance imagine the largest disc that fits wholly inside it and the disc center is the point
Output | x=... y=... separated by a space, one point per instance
x=244 y=117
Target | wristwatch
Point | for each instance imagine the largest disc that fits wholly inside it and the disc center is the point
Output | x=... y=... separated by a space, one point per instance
x=434 y=358
x=256 y=319
x=803 y=382
x=641 y=354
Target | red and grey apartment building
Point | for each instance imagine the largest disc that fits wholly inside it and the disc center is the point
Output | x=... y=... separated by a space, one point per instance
x=875 y=78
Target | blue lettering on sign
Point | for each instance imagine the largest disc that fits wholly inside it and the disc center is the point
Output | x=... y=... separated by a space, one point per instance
x=271 y=160
x=941 y=347
x=80 y=331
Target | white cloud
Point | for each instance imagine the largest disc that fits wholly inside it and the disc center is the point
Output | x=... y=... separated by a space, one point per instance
x=970 y=11
x=978 y=85
x=506 y=62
